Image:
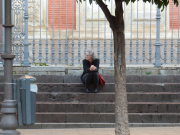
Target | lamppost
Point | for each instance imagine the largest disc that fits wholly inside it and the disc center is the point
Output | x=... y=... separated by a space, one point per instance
x=8 y=110
x=158 y=44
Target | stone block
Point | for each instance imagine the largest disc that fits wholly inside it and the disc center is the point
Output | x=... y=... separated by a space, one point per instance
x=171 y=87
x=74 y=97
x=75 y=72
x=159 y=118
x=155 y=97
x=1 y=97
x=139 y=87
x=87 y=107
x=107 y=117
x=167 y=79
x=152 y=108
x=134 y=118
x=169 y=108
x=156 y=78
x=20 y=70
x=38 y=73
x=132 y=87
x=47 y=68
x=168 y=72
x=82 y=117
x=108 y=72
x=132 y=79
x=53 y=125
x=78 y=125
x=108 y=79
x=49 y=78
x=141 y=124
x=102 y=125
x=56 y=73
x=50 y=118
x=35 y=126
x=150 y=71
x=137 y=108
x=108 y=87
x=106 y=107
x=46 y=73
x=72 y=79
x=149 y=78
x=177 y=78
x=133 y=72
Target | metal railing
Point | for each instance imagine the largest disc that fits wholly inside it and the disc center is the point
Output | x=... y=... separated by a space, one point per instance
x=60 y=32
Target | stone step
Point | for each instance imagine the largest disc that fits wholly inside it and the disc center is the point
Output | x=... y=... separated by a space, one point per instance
x=103 y=107
x=108 y=87
x=108 y=79
x=107 y=117
x=107 y=97
x=104 y=97
x=92 y=125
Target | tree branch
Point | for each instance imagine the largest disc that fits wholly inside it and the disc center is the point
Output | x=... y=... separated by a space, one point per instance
x=107 y=13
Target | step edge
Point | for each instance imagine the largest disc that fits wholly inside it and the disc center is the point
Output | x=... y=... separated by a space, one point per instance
x=93 y=125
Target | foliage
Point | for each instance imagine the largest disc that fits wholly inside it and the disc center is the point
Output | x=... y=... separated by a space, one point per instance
x=160 y=3
x=148 y=73
x=41 y=64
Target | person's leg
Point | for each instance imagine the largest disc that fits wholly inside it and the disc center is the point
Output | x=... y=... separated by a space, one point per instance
x=86 y=79
x=95 y=78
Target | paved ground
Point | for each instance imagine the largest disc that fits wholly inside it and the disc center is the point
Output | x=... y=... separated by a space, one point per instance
x=103 y=131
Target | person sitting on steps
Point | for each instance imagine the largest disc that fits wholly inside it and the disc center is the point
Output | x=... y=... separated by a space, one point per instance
x=90 y=73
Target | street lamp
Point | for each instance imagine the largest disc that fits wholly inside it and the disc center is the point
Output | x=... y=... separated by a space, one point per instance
x=8 y=110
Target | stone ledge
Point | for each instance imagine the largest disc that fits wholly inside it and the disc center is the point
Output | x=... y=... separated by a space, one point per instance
x=93 y=125
x=104 y=69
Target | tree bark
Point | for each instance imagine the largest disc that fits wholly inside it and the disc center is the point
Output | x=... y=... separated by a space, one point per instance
x=121 y=113
x=117 y=25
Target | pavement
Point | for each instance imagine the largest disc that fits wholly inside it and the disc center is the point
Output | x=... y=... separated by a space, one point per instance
x=102 y=131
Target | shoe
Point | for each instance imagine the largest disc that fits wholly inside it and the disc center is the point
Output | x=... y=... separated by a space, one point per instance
x=88 y=91
x=95 y=90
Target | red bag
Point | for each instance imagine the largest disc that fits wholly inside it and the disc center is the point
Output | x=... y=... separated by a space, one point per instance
x=101 y=79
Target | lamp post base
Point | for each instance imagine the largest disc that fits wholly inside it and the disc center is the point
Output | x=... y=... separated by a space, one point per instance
x=9 y=119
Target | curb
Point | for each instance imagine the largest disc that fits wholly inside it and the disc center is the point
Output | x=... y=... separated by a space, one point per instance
x=93 y=125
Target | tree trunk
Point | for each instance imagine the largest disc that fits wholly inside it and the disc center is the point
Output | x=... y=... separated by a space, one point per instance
x=121 y=113
x=117 y=25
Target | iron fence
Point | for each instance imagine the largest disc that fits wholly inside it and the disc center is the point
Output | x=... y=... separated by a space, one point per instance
x=60 y=32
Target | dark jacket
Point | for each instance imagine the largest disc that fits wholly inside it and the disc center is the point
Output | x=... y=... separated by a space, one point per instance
x=86 y=66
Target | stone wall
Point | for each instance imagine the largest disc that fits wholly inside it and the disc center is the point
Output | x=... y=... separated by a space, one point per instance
x=104 y=70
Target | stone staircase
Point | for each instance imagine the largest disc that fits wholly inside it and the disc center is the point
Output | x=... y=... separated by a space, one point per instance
x=61 y=99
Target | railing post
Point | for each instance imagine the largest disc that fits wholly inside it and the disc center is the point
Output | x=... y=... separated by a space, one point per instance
x=158 y=44
x=26 y=44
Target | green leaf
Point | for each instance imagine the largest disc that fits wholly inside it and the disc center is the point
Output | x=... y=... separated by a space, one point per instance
x=90 y=1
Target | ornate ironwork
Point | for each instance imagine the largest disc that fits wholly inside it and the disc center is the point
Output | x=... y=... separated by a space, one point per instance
x=18 y=31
